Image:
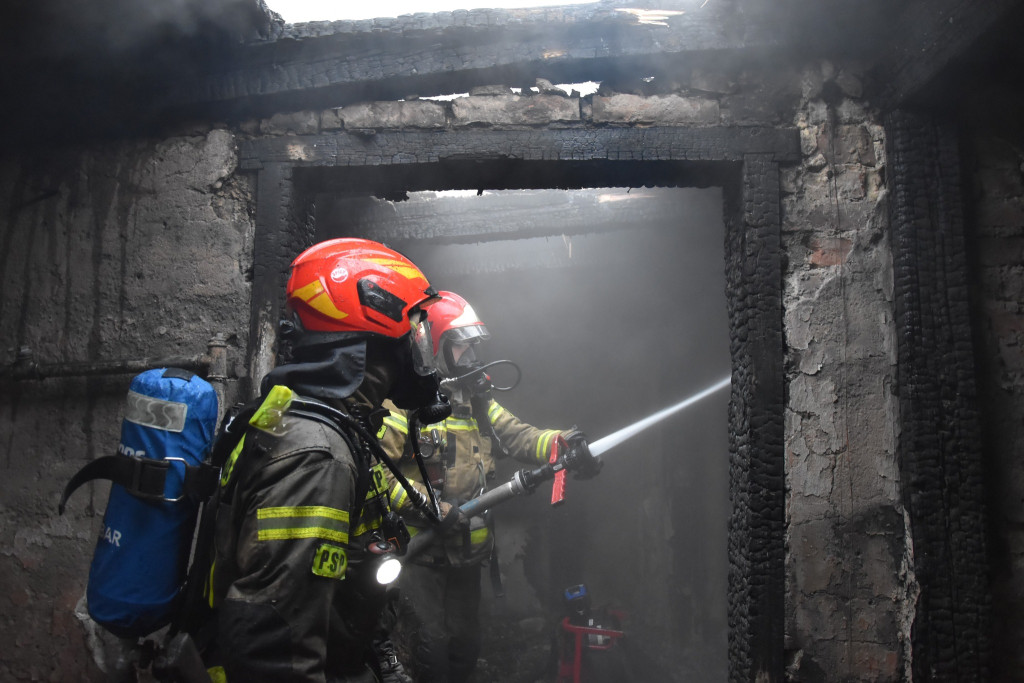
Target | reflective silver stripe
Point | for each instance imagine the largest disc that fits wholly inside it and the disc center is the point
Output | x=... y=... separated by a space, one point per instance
x=398 y=496
x=157 y=413
x=440 y=427
x=457 y=424
x=397 y=422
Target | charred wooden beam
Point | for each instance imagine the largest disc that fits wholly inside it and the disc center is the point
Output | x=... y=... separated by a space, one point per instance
x=612 y=144
x=332 y=63
x=756 y=426
x=939 y=443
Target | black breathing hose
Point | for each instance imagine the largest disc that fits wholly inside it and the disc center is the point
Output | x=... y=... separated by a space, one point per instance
x=414 y=432
x=325 y=410
x=448 y=381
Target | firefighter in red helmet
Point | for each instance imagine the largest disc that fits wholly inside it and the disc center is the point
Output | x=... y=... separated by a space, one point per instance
x=440 y=588
x=304 y=521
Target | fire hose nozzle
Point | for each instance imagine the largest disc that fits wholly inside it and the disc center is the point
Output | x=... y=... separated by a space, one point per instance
x=528 y=480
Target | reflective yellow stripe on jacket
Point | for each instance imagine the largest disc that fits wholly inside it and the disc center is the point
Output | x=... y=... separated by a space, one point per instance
x=397 y=496
x=306 y=521
x=458 y=424
x=494 y=412
x=396 y=422
x=543 y=453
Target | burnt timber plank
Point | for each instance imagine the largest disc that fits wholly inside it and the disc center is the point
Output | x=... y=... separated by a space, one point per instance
x=941 y=462
x=756 y=426
x=332 y=63
x=613 y=144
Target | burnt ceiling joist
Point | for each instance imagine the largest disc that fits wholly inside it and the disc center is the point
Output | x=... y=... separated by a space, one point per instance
x=619 y=144
x=122 y=71
x=447 y=53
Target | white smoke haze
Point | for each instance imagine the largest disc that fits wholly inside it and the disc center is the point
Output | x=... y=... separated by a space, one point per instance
x=611 y=301
x=298 y=11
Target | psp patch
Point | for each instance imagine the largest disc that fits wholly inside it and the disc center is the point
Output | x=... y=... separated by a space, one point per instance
x=330 y=561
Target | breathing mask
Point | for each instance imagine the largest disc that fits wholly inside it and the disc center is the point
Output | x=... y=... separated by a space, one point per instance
x=418 y=388
x=421 y=348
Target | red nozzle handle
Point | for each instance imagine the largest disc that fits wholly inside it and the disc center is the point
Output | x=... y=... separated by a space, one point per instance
x=558 y=485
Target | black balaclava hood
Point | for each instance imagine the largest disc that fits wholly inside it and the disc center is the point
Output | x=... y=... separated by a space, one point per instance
x=327 y=373
x=361 y=369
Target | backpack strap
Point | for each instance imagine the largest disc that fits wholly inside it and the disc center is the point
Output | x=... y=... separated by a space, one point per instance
x=193 y=613
x=481 y=413
x=145 y=478
x=311 y=409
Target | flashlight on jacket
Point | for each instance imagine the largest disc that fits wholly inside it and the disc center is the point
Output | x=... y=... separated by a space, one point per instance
x=388 y=565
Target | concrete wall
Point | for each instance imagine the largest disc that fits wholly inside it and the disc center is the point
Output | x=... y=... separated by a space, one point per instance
x=849 y=595
x=143 y=248
x=117 y=251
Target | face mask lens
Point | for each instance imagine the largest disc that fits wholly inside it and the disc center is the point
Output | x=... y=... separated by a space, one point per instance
x=466 y=355
x=422 y=347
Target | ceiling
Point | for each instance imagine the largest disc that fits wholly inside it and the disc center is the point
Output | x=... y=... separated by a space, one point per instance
x=101 y=65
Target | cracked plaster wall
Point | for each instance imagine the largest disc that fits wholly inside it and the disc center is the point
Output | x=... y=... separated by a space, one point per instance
x=847 y=591
x=120 y=251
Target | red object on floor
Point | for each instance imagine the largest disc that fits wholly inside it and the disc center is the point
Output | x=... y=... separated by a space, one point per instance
x=570 y=669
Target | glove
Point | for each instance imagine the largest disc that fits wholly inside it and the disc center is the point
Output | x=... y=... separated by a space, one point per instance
x=480 y=385
x=453 y=521
x=578 y=458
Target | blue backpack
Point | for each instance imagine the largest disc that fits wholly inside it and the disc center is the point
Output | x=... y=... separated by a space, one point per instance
x=160 y=475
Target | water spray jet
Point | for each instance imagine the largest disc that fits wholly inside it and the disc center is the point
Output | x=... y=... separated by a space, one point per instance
x=606 y=443
x=526 y=481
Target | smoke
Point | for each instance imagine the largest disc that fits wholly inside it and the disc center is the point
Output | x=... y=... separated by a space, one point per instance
x=612 y=301
x=96 y=31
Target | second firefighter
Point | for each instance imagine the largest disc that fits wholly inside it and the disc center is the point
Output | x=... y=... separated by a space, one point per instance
x=440 y=589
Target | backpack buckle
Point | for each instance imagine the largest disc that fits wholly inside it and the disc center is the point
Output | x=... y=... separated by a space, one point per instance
x=148 y=479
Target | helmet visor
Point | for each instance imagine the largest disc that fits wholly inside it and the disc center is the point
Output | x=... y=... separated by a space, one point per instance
x=422 y=347
x=468 y=334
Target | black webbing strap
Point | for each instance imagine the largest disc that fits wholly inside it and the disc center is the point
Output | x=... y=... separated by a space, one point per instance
x=495 y=570
x=179 y=373
x=144 y=478
x=480 y=407
x=193 y=613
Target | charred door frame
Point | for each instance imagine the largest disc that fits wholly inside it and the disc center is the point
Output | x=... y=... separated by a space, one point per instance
x=749 y=160
x=940 y=442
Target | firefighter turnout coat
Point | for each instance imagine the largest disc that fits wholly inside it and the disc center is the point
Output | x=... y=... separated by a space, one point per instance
x=461 y=465
x=293 y=586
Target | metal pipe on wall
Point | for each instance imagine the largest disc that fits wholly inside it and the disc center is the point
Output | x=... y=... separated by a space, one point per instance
x=213 y=364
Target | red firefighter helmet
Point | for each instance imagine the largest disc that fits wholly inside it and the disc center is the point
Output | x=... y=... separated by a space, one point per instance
x=356 y=285
x=452 y=319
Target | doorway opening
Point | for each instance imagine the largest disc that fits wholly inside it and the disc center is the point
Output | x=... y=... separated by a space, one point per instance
x=611 y=300
x=297 y=176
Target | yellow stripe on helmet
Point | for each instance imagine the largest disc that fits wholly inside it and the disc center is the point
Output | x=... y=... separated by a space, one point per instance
x=406 y=270
x=316 y=296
